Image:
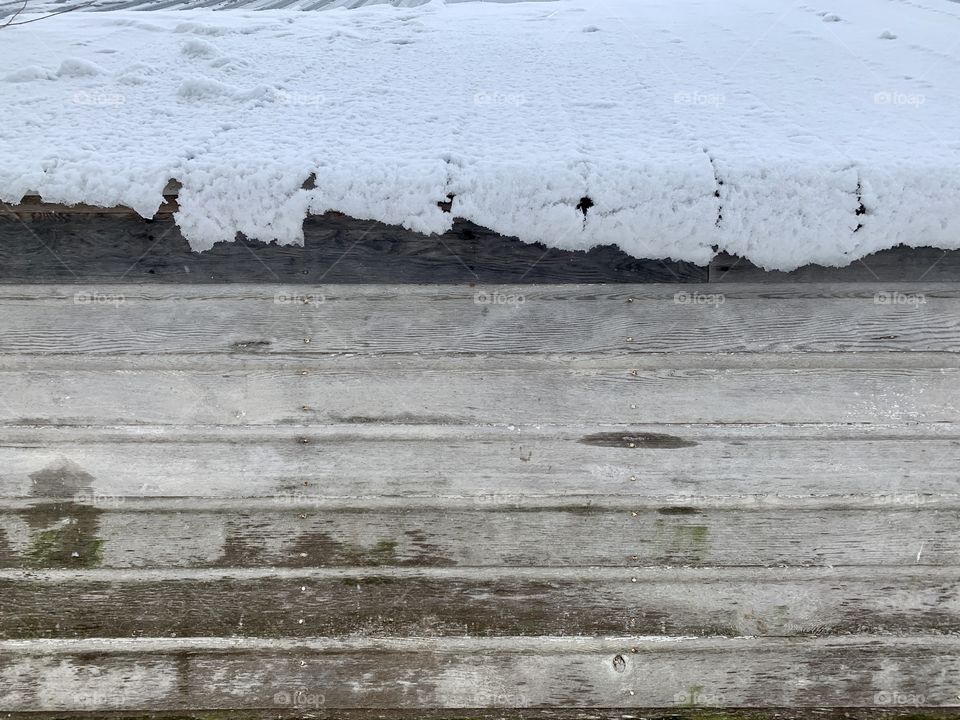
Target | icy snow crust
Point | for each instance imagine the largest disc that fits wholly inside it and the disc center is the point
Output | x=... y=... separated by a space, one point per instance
x=785 y=132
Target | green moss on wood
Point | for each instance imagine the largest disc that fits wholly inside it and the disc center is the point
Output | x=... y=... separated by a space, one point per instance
x=63 y=535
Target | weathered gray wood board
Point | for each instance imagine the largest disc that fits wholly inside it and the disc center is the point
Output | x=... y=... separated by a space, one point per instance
x=900 y=264
x=43 y=242
x=478 y=672
x=76 y=535
x=745 y=466
x=519 y=390
x=678 y=712
x=121 y=247
x=471 y=602
x=309 y=320
x=315 y=500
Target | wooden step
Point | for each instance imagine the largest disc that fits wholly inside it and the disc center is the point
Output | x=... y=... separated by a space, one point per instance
x=55 y=534
x=379 y=464
x=478 y=602
x=380 y=500
x=411 y=673
x=456 y=320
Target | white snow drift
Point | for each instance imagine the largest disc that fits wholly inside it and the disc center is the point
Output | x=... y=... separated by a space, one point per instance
x=785 y=132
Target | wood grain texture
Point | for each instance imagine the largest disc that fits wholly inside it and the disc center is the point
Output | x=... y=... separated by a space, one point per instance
x=477 y=602
x=51 y=242
x=33 y=209
x=306 y=499
x=472 y=390
x=310 y=320
x=746 y=466
x=693 y=712
x=899 y=264
x=117 y=246
x=475 y=672
x=293 y=532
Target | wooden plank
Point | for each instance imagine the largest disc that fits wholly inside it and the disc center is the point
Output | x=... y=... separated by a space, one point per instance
x=899 y=264
x=518 y=390
x=310 y=320
x=291 y=532
x=652 y=466
x=624 y=672
x=477 y=602
x=83 y=243
x=108 y=246
x=693 y=712
x=33 y=208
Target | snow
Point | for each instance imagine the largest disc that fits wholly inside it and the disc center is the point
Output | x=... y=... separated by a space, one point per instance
x=786 y=132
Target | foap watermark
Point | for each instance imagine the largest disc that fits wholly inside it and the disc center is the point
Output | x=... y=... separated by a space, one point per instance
x=498 y=499
x=301 y=698
x=897 y=698
x=888 y=97
x=896 y=498
x=501 y=99
x=93 y=99
x=299 y=499
x=98 y=299
x=696 y=696
x=98 y=499
x=699 y=98
x=84 y=699
x=899 y=298
x=698 y=298
x=495 y=297
x=489 y=698
x=286 y=297
x=300 y=99
x=93 y=700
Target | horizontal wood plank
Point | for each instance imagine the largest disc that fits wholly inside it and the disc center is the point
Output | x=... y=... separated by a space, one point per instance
x=477 y=390
x=40 y=242
x=375 y=463
x=622 y=672
x=52 y=242
x=693 y=712
x=899 y=264
x=437 y=320
x=477 y=602
x=294 y=533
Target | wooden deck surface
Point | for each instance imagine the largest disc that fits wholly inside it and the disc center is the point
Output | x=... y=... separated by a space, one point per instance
x=367 y=497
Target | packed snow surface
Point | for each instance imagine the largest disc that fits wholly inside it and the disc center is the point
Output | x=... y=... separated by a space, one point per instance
x=783 y=131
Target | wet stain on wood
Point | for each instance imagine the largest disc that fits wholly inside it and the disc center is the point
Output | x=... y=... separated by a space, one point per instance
x=644 y=441
x=687 y=544
x=64 y=479
x=63 y=534
x=250 y=345
x=7 y=556
x=678 y=510
x=321 y=549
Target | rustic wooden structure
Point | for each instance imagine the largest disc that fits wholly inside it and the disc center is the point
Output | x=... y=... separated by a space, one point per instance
x=300 y=482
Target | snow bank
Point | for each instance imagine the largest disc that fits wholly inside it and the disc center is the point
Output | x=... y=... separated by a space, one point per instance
x=785 y=132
